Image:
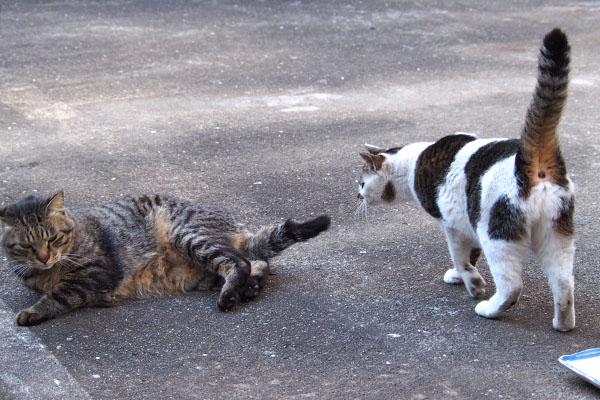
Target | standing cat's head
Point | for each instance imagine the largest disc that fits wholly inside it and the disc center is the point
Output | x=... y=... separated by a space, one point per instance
x=376 y=184
x=38 y=230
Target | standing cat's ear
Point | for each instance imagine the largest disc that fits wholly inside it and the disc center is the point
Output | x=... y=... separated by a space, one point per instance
x=374 y=161
x=373 y=149
x=56 y=202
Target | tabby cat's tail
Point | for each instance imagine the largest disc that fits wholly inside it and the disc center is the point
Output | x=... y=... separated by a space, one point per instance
x=269 y=242
x=539 y=158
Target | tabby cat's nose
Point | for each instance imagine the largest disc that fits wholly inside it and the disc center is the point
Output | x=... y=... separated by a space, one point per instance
x=43 y=256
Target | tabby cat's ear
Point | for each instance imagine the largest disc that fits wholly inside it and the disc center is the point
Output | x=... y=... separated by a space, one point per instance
x=374 y=161
x=56 y=202
x=373 y=149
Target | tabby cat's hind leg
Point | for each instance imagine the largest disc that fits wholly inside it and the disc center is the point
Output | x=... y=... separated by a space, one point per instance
x=464 y=258
x=258 y=274
x=235 y=269
x=220 y=258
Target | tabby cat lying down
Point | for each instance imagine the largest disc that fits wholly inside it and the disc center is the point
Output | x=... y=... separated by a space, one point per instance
x=502 y=196
x=137 y=247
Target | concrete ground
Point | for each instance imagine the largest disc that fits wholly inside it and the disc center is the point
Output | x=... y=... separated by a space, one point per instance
x=261 y=107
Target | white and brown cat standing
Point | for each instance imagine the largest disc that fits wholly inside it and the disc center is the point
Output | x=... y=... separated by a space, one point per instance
x=499 y=196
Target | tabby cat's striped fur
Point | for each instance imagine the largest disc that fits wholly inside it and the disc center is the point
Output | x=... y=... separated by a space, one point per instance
x=501 y=196
x=137 y=247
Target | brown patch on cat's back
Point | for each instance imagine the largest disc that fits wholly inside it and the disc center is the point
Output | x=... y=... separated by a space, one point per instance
x=164 y=271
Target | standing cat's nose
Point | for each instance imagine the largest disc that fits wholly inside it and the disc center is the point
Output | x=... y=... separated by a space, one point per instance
x=359 y=196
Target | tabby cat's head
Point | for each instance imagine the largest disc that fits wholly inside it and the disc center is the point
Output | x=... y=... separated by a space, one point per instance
x=38 y=230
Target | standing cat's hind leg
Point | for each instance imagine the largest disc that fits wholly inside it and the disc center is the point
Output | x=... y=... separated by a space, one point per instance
x=556 y=252
x=504 y=259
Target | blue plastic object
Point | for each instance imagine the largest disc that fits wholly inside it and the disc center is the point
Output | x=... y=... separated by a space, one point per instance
x=585 y=363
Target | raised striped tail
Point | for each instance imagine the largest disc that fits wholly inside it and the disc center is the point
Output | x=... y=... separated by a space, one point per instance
x=539 y=158
x=269 y=242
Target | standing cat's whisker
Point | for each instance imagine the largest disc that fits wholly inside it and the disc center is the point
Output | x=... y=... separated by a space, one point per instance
x=361 y=211
x=358 y=210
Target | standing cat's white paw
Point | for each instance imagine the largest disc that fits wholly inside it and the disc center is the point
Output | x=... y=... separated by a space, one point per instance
x=564 y=323
x=452 y=277
x=485 y=309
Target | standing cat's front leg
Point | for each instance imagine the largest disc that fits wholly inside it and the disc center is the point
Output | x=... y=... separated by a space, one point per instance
x=464 y=257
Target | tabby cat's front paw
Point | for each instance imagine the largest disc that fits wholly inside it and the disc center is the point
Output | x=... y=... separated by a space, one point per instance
x=228 y=299
x=29 y=317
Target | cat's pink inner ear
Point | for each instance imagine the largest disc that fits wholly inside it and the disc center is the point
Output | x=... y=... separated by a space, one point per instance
x=56 y=202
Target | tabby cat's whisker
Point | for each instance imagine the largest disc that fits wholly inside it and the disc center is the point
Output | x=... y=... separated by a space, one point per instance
x=19 y=270
x=70 y=259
